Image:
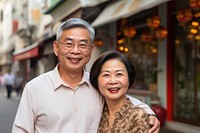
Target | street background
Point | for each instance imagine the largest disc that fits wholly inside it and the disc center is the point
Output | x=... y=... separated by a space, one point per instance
x=8 y=108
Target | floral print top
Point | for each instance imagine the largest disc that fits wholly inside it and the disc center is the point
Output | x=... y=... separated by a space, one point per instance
x=129 y=119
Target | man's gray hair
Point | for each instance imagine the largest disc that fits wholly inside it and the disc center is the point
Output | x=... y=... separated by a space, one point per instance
x=75 y=22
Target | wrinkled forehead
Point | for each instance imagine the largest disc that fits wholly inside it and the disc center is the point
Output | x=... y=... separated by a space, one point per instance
x=73 y=30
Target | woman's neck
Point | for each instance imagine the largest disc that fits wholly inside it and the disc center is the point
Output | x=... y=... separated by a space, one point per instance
x=113 y=107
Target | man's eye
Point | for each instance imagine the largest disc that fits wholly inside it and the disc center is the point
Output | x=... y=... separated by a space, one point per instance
x=69 y=44
x=83 y=45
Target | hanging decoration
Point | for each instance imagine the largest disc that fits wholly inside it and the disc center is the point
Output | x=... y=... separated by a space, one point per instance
x=129 y=32
x=146 y=36
x=161 y=33
x=123 y=49
x=98 y=42
x=153 y=22
x=156 y=31
x=184 y=16
x=194 y=4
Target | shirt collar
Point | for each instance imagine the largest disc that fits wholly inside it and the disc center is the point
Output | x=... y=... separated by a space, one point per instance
x=57 y=81
x=126 y=106
x=123 y=110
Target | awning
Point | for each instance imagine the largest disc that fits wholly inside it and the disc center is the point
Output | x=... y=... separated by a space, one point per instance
x=90 y=3
x=28 y=52
x=123 y=9
x=65 y=8
x=7 y=45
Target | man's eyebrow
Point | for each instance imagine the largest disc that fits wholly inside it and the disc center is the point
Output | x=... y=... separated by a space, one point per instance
x=84 y=40
x=68 y=39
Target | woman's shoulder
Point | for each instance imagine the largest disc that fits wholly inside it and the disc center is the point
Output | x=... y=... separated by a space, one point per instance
x=137 y=111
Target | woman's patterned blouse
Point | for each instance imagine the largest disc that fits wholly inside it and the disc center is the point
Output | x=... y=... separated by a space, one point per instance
x=129 y=119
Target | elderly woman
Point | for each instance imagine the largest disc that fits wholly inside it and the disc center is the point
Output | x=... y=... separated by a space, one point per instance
x=113 y=74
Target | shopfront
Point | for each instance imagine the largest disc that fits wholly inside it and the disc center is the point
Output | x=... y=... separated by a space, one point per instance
x=142 y=40
x=187 y=62
x=164 y=45
x=138 y=34
x=26 y=60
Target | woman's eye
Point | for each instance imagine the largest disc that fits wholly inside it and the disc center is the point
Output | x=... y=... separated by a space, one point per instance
x=119 y=74
x=105 y=75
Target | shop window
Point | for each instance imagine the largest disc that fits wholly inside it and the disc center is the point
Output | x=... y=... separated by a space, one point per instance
x=138 y=42
x=187 y=64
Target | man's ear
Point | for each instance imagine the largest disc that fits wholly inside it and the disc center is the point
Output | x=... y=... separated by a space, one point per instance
x=55 y=47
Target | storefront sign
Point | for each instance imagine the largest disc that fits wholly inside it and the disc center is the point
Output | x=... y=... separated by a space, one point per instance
x=28 y=54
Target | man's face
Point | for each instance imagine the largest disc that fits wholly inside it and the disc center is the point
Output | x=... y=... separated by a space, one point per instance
x=73 y=49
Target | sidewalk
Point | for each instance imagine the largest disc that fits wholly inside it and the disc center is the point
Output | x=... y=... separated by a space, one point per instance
x=8 y=108
x=167 y=130
x=182 y=127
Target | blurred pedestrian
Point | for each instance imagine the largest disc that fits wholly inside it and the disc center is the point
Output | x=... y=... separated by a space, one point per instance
x=9 y=80
x=63 y=100
x=1 y=77
x=18 y=82
x=1 y=81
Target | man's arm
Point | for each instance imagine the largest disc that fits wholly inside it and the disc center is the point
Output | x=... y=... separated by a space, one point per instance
x=24 y=119
x=154 y=122
x=140 y=104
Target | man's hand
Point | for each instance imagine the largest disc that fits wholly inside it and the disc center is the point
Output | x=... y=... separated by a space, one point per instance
x=154 y=123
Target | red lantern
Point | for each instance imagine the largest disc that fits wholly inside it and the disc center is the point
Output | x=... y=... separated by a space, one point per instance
x=153 y=22
x=161 y=33
x=132 y=32
x=147 y=37
x=126 y=31
x=129 y=31
x=98 y=42
x=194 y=3
x=184 y=16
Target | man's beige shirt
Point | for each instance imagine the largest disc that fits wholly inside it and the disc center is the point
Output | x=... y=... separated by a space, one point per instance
x=48 y=105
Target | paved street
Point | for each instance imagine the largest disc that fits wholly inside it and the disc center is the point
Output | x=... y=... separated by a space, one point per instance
x=8 y=108
x=166 y=130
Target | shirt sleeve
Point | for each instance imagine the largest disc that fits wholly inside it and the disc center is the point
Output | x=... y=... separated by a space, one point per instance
x=24 y=119
x=140 y=104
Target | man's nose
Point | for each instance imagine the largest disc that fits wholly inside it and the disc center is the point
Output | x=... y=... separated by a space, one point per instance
x=75 y=48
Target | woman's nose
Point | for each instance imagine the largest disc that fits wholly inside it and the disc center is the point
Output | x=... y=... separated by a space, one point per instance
x=113 y=79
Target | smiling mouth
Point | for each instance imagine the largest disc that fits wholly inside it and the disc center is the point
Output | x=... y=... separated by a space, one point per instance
x=74 y=60
x=113 y=89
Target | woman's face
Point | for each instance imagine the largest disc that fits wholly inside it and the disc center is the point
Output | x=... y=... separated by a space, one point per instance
x=113 y=80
